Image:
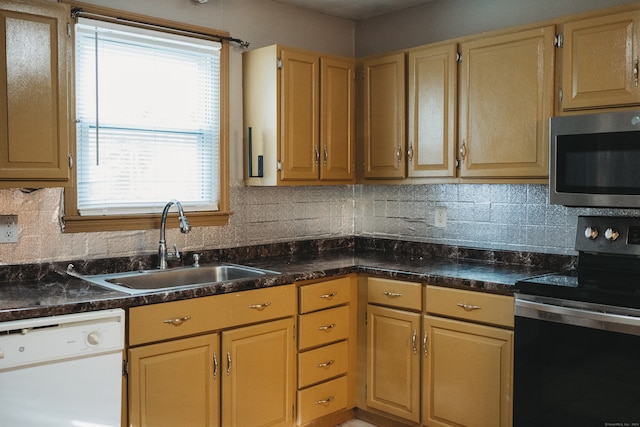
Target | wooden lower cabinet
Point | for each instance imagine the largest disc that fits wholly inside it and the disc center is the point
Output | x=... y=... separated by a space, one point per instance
x=467 y=374
x=258 y=380
x=174 y=383
x=393 y=362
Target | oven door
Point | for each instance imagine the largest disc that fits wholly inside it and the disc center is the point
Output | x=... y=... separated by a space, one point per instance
x=576 y=364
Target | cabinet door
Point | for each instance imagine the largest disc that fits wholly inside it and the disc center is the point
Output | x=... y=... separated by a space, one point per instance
x=258 y=384
x=384 y=123
x=175 y=383
x=600 y=62
x=432 y=111
x=34 y=120
x=300 y=152
x=393 y=361
x=506 y=102
x=337 y=119
x=468 y=374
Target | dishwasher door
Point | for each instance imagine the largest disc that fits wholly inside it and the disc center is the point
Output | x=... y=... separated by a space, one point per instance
x=62 y=370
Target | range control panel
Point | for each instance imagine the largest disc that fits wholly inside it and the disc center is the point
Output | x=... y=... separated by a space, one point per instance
x=608 y=235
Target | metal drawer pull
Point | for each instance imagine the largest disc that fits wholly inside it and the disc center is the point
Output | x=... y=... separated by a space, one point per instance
x=326 y=364
x=329 y=296
x=327 y=328
x=391 y=294
x=468 y=307
x=260 y=306
x=228 y=363
x=177 y=321
x=424 y=344
x=325 y=401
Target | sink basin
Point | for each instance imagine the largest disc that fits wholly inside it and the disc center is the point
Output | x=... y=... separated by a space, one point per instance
x=156 y=280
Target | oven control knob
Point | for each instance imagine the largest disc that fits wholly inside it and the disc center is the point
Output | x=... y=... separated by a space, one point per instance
x=94 y=338
x=591 y=233
x=611 y=234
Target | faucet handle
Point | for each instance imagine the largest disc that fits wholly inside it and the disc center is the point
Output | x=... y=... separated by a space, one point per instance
x=175 y=254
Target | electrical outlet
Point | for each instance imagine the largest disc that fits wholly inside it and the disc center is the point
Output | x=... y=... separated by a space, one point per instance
x=441 y=217
x=8 y=228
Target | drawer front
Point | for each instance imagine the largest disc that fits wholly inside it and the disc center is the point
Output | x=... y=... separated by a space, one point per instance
x=470 y=305
x=322 y=295
x=322 y=363
x=322 y=399
x=394 y=293
x=323 y=327
x=169 y=320
x=175 y=319
x=260 y=304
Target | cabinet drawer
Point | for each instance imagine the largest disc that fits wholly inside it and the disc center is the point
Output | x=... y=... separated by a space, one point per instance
x=322 y=399
x=324 y=294
x=175 y=319
x=259 y=305
x=169 y=320
x=322 y=327
x=322 y=363
x=394 y=293
x=470 y=305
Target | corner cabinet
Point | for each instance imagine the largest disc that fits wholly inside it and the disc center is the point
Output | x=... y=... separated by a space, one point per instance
x=299 y=115
x=468 y=359
x=223 y=360
x=600 y=62
x=506 y=100
x=34 y=112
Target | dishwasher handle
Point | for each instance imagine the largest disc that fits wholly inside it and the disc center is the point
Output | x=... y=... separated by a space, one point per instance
x=594 y=316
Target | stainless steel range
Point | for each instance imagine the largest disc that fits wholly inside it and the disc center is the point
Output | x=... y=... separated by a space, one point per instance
x=577 y=334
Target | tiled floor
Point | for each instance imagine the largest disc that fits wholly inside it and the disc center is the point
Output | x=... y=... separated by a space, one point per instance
x=356 y=423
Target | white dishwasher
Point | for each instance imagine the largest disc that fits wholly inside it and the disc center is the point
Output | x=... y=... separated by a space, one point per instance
x=62 y=370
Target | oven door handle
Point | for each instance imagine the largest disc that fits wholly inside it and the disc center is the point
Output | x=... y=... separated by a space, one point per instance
x=584 y=317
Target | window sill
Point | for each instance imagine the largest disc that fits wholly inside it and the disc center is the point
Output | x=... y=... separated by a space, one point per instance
x=86 y=224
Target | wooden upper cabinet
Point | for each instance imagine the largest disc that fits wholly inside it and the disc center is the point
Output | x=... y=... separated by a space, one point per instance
x=432 y=111
x=34 y=114
x=300 y=156
x=600 y=62
x=300 y=109
x=337 y=119
x=384 y=116
x=506 y=100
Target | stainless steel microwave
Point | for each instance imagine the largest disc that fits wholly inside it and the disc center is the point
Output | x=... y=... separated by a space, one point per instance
x=595 y=160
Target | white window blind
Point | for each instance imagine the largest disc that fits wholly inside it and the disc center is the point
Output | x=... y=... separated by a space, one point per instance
x=148 y=120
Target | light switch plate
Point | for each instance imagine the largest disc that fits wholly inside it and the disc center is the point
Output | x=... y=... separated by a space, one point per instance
x=8 y=228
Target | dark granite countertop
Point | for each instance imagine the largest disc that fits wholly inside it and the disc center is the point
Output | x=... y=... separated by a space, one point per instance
x=53 y=292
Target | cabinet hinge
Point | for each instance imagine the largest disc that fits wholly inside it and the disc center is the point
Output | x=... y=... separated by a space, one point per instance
x=366 y=318
x=458 y=57
x=558 y=40
x=279 y=64
x=70 y=161
x=279 y=165
x=68 y=29
x=560 y=94
x=125 y=368
x=295 y=332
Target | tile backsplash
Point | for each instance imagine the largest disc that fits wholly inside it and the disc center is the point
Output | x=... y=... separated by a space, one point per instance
x=486 y=216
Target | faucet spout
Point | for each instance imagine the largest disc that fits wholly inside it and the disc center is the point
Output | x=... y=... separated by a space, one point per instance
x=185 y=227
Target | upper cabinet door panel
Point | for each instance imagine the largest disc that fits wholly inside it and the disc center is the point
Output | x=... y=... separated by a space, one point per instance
x=300 y=87
x=600 y=62
x=337 y=119
x=34 y=121
x=506 y=102
x=384 y=116
x=432 y=111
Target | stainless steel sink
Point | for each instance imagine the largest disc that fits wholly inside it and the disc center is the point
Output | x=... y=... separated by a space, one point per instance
x=184 y=277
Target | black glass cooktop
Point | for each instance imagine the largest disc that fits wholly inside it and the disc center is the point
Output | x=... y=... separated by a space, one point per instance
x=621 y=290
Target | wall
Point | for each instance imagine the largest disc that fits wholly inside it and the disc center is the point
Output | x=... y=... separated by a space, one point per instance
x=486 y=216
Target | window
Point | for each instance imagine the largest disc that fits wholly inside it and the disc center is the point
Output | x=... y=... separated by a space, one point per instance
x=148 y=126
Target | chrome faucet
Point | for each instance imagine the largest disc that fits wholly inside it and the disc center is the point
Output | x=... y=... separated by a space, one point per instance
x=184 y=228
